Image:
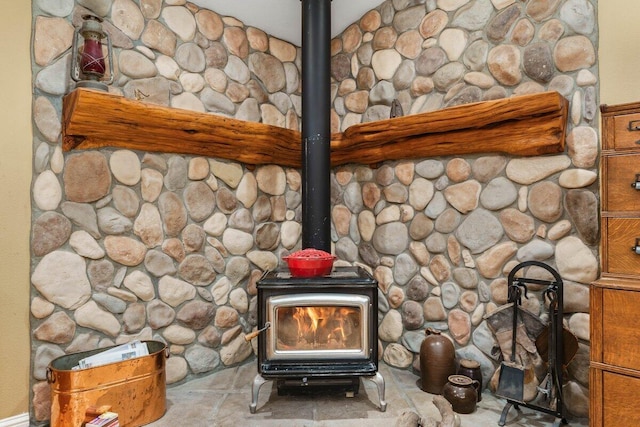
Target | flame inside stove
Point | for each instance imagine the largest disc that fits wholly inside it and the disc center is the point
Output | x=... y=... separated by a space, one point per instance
x=318 y=328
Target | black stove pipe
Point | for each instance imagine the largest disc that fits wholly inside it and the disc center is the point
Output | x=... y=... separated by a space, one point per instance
x=316 y=124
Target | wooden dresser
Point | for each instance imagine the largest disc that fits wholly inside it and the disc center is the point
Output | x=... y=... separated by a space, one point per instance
x=615 y=296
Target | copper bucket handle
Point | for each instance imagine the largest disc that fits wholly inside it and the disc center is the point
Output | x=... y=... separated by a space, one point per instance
x=50 y=377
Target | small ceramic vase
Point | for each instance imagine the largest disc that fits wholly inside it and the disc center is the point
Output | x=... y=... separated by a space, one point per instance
x=437 y=361
x=471 y=368
x=460 y=391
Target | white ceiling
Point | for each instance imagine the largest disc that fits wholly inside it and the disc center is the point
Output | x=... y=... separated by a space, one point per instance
x=282 y=18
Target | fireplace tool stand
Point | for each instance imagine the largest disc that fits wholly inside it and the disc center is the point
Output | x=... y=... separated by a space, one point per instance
x=349 y=384
x=552 y=391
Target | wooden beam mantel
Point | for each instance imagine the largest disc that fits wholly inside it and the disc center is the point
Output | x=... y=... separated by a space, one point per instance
x=527 y=125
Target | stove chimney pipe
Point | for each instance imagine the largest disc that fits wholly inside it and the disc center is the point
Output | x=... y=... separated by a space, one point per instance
x=316 y=124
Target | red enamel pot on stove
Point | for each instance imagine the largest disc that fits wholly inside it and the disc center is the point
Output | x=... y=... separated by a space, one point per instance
x=309 y=263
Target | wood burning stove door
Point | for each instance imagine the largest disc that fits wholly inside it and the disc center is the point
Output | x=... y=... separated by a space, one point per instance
x=317 y=326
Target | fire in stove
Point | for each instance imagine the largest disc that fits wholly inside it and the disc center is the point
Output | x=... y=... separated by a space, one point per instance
x=319 y=328
x=317 y=325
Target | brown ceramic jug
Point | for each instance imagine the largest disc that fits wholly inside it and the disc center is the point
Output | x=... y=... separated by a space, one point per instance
x=437 y=361
x=471 y=368
x=460 y=391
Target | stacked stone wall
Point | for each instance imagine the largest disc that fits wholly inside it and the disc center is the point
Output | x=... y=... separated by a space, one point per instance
x=131 y=245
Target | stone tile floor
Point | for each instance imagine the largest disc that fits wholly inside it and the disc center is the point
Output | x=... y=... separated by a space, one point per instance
x=222 y=400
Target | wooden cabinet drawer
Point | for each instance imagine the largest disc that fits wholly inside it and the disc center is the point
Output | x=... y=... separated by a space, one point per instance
x=619 y=402
x=620 y=236
x=626 y=131
x=620 y=328
x=619 y=173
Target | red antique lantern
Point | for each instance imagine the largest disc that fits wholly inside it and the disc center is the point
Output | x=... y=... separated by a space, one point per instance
x=88 y=66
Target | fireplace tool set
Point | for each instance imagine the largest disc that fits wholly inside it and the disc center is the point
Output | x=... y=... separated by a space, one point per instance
x=532 y=348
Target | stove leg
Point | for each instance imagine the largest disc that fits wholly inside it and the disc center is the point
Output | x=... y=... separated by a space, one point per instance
x=379 y=382
x=258 y=381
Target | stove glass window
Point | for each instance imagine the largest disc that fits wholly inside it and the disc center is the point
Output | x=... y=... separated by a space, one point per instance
x=318 y=328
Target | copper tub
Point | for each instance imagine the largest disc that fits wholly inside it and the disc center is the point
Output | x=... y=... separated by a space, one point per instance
x=134 y=388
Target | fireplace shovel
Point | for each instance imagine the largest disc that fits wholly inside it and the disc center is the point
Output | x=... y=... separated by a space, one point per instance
x=511 y=380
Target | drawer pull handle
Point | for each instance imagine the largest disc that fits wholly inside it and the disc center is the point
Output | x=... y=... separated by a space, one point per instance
x=634 y=125
x=636 y=184
x=636 y=248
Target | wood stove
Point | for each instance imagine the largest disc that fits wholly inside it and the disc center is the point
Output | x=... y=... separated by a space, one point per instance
x=319 y=334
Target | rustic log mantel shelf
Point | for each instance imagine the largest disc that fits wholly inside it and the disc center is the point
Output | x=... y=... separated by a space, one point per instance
x=527 y=125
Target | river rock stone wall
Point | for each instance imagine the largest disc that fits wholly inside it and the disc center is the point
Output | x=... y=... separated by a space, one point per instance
x=130 y=245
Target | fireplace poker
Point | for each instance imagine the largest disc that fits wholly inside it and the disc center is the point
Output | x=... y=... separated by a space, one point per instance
x=255 y=333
